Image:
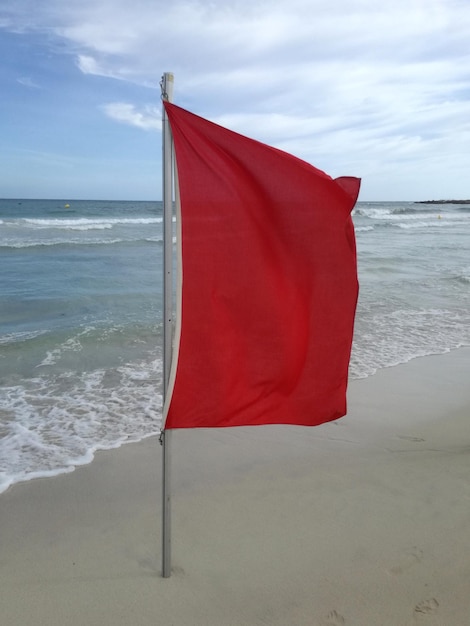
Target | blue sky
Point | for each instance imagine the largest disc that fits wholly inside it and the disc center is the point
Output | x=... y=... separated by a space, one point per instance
x=355 y=87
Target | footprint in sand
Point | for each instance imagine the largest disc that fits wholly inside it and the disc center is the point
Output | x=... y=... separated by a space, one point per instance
x=333 y=619
x=407 y=560
x=426 y=607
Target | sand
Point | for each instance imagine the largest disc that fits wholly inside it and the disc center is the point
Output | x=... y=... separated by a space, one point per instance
x=362 y=522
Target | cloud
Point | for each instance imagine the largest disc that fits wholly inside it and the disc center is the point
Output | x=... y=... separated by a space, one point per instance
x=247 y=47
x=203 y=36
x=27 y=81
x=88 y=65
x=148 y=119
x=354 y=83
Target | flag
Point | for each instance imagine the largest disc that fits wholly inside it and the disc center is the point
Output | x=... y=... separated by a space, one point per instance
x=268 y=284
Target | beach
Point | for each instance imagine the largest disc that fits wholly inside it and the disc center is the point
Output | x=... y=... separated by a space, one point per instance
x=81 y=317
x=362 y=522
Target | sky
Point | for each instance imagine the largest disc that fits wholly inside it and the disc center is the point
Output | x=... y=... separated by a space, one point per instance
x=378 y=90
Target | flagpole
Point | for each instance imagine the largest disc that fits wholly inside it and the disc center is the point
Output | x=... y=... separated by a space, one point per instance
x=167 y=192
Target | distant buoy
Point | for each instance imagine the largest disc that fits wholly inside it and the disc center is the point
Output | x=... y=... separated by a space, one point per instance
x=67 y=206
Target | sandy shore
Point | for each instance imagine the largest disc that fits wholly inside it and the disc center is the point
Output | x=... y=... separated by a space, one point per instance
x=363 y=522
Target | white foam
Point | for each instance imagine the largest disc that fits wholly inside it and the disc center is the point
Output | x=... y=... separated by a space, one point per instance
x=392 y=215
x=389 y=339
x=463 y=275
x=71 y=345
x=32 y=243
x=433 y=223
x=52 y=424
x=84 y=223
x=10 y=338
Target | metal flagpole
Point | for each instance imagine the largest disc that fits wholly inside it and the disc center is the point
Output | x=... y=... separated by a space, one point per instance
x=167 y=145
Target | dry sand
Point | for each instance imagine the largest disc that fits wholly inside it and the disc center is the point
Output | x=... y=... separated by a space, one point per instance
x=362 y=522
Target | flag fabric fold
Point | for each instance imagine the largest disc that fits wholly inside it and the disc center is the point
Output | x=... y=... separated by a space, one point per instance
x=268 y=283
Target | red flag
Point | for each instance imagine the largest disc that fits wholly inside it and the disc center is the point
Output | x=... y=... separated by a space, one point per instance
x=269 y=283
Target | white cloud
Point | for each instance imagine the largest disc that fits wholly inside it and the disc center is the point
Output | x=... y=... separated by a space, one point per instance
x=352 y=83
x=27 y=81
x=88 y=64
x=148 y=119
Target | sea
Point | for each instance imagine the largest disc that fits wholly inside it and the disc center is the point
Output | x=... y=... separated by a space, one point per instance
x=81 y=317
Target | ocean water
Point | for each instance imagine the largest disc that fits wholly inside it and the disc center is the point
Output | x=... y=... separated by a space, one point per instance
x=81 y=310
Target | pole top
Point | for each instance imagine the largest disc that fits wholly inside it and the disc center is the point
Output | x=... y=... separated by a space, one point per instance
x=166 y=85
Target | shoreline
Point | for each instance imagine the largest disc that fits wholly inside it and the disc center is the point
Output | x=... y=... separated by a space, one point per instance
x=359 y=521
x=90 y=455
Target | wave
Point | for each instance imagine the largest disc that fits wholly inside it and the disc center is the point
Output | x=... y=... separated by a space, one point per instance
x=91 y=411
x=385 y=217
x=386 y=339
x=58 y=242
x=83 y=223
x=463 y=277
x=406 y=214
x=387 y=211
x=19 y=244
x=19 y=337
x=429 y=224
x=363 y=229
